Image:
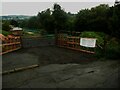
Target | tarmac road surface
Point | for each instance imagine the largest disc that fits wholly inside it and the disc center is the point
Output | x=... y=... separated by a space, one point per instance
x=59 y=68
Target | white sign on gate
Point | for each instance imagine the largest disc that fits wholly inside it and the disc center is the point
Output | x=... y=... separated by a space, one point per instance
x=88 y=42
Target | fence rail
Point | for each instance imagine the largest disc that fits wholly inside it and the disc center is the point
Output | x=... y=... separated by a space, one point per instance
x=72 y=42
x=10 y=44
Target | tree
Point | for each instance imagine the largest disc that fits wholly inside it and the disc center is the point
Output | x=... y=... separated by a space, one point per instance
x=5 y=26
x=14 y=23
x=116 y=21
x=94 y=19
x=23 y=23
x=81 y=20
x=60 y=17
x=70 y=24
x=33 y=23
x=46 y=20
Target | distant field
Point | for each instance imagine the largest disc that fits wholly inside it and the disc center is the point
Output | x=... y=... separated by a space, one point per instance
x=35 y=33
x=30 y=32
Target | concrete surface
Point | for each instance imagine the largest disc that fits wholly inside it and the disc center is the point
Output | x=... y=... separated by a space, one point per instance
x=59 y=68
x=35 y=42
x=43 y=56
x=99 y=74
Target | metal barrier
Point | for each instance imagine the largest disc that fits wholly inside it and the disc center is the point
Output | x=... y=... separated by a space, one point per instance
x=72 y=42
x=10 y=43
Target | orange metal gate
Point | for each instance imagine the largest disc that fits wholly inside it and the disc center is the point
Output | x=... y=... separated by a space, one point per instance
x=72 y=42
x=10 y=43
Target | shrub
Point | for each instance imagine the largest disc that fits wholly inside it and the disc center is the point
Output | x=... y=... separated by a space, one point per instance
x=97 y=35
x=5 y=32
x=112 y=49
x=100 y=41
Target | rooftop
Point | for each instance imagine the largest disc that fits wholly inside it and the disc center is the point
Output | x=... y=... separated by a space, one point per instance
x=16 y=28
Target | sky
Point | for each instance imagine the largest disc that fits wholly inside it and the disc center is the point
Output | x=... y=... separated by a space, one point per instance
x=32 y=8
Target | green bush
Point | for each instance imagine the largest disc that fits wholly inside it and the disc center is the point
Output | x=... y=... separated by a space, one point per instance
x=5 y=32
x=97 y=35
x=98 y=52
x=112 y=49
x=100 y=41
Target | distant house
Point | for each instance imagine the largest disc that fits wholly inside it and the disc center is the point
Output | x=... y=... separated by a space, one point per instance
x=17 y=31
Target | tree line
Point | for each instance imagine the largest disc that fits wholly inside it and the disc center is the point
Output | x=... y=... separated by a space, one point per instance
x=101 y=18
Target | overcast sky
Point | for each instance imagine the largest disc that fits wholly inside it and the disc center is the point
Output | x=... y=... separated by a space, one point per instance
x=32 y=8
